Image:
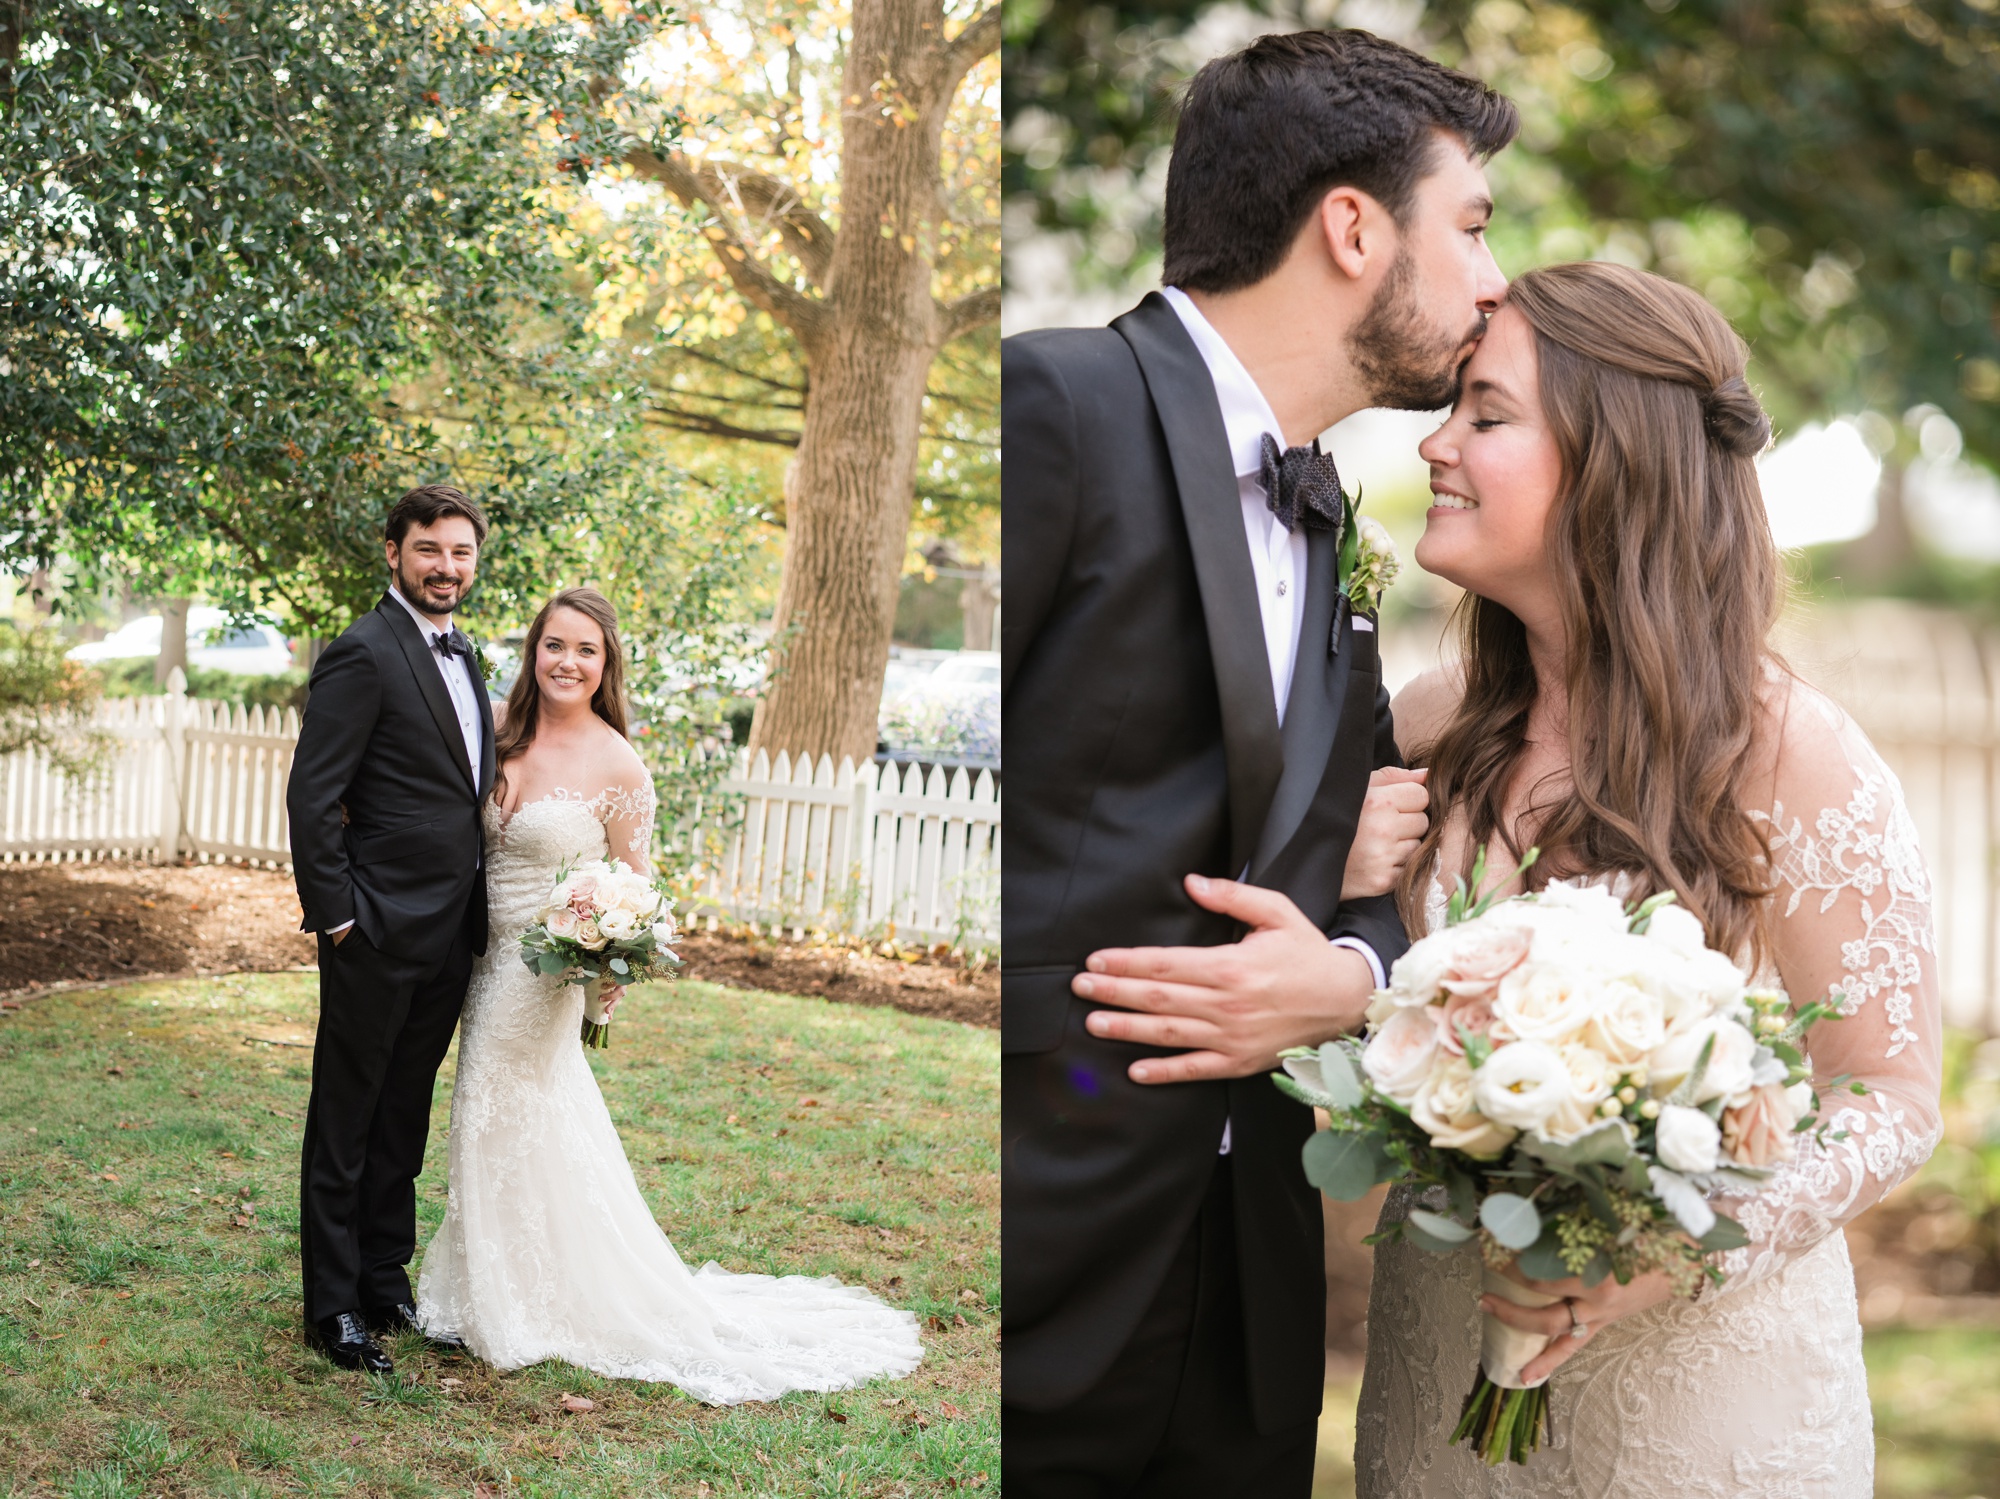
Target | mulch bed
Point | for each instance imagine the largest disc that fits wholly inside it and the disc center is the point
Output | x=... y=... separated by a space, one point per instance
x=64 y=924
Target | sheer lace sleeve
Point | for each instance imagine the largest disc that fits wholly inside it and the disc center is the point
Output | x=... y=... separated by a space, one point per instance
x=1852 y=924
x=627 y=811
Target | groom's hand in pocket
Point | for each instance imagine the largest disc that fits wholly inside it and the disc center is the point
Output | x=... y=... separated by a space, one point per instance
x=1230 y=1010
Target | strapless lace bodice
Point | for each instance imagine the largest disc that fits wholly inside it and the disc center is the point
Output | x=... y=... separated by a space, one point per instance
x=1757 y=1389
x=548 y=1250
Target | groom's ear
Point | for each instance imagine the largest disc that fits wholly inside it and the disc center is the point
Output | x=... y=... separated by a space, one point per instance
x=1355 y=229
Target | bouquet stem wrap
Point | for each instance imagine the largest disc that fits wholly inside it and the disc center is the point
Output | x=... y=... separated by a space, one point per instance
x=596 y=1029
x=1504 y=1351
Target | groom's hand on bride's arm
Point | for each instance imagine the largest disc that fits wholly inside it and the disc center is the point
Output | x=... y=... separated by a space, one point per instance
x=1392 y=826
x=1230 y=1009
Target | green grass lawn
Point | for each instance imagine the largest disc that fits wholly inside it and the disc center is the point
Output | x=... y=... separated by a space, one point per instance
x=149 y=1298
x=1936 y=1394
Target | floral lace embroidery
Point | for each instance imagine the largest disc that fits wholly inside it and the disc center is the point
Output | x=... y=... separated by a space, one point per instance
x=632 y=805
x=1875 y=855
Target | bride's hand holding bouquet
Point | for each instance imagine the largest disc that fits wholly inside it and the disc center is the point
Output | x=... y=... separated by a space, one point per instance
x=604 y=926
x=1573 y=1079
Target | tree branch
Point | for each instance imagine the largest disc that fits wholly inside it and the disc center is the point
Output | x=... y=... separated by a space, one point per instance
x=709 y=426
x=980 y=36
x=736 y=194
x=973 y=310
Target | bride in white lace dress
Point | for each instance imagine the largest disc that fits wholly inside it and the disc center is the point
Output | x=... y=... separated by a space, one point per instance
x=547 y=1249
x=1616 y=705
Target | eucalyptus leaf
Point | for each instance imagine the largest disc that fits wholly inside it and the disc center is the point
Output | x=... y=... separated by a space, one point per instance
x=1435 y=1232
x=1336 y=1070
x=1340 y=1163
x=1726 y=1234
x=1543 y=1259
x=1597 y=1269
x=1513 y=1220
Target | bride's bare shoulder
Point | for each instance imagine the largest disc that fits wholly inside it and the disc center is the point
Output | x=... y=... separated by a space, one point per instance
x=1425 y=706
x=616 y=765
x=1807 y=753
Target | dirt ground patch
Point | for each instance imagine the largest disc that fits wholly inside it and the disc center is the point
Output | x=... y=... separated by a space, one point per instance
x=71 y=923
x=62 y=923
x=942 y=988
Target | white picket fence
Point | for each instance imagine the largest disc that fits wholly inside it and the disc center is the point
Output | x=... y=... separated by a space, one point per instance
x=792 y=845
x=858 y=849
x=188 y=779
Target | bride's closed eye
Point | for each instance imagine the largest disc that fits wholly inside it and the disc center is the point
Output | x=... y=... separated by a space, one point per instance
x=1487 y=423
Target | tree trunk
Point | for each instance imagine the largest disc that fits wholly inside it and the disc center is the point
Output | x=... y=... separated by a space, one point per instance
x=1887 y=554
x=173 y=641
x=981 y=604
x=850 y=486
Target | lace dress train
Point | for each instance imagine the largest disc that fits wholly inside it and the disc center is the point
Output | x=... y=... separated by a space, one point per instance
x=548 y=1250
x=1758 y=1388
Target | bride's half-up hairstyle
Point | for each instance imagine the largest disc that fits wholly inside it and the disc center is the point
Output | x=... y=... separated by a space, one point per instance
x=1668 y=583
x=524 y=700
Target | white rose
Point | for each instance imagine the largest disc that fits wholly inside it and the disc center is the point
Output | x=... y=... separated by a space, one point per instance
x=1628 y=1023
x=1547 y=1002
x=561 y=922
x=1381 y=1005
x=1418 y=973
x=1678 y=930
x=563 y=893
x=618 y=925
x=1398 y=1056
x=1590 y=1080
x=1730 y=1064
x=590 y=935
x=1594 y=903
x=1687 y=1139
x=1799 y=1097
x=1521 y=1085
x=664 y=937
x=1444 y=1110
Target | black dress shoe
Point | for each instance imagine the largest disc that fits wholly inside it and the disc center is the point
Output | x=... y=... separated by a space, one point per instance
x=344 y=1339
x=387 y=1321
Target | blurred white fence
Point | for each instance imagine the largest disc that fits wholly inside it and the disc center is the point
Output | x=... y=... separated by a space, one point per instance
x=793 y=845
x=187 y=779
x=802 y=844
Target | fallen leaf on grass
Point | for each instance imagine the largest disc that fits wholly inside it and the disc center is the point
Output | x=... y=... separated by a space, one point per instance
x=959 y=1321
x=968 y=1296
x=124 y=1296
x=110 y=1176
x=731 y=1119
x=485 y=1491
x=947 y=1408
x=834 y=1415
x=356 y=1441
x=242 y=1220
x=34 y=1264
x=577 y=1404
x=702 y=1490
x=114 y=1072
x=917 y=1418
x=452 y=1384
x=936 y=1324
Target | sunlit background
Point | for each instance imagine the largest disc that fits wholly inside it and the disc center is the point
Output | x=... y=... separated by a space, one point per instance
x=1825 y=174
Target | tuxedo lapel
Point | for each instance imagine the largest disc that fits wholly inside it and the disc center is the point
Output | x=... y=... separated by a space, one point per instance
x=1183 y=396
x=1312 y=712
x=429 y=683
x=486 y=735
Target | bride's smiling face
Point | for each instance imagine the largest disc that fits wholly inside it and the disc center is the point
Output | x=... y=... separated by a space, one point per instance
x=569 y=659
x=1495 y=473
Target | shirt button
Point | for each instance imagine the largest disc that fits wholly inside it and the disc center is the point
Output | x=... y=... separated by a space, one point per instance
x=1281 y=587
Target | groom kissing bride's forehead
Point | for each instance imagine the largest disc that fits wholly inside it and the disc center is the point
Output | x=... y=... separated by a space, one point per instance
x=1194 y=713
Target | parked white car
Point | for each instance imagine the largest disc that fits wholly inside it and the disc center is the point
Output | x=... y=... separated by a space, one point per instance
x=256 y=651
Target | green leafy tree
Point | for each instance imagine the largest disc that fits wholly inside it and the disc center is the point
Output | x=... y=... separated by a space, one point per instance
x=266 y=263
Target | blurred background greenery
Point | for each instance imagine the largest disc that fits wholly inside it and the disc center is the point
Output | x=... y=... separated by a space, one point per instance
x=1824 y=171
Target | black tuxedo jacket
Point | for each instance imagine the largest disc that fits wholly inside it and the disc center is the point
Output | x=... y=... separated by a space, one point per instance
x=380 y=737
x=1143 y=744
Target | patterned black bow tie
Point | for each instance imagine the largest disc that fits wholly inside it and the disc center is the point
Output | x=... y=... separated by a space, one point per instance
x=452 y=643
x=1302 y=487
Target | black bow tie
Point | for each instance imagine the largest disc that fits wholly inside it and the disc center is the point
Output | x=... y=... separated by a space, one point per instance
x=452 y=643
x=1302 y=487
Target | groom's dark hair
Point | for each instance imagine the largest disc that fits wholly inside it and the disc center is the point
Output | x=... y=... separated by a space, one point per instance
x=428 y=504
x=1267 y=132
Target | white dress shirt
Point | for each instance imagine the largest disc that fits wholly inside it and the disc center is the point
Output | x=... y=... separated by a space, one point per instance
x=457 y=674
x=1277 y=556
x=458 y=681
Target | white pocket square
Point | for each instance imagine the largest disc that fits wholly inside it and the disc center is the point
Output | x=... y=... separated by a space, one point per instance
x=1364 y=624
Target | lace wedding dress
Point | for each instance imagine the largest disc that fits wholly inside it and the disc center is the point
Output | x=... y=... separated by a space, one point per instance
x=548 y=1250
x=1757 y=1388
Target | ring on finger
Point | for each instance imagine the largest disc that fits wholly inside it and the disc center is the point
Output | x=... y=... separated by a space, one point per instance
x=1578 y=1328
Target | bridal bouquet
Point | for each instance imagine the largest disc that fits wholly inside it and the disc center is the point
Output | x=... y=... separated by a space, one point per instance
x=1577 y=1077
x=602 y=925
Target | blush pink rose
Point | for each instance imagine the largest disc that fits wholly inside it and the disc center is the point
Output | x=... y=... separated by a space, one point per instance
x=1477 y=968
x=1760 y=1132
x=1472 y=1012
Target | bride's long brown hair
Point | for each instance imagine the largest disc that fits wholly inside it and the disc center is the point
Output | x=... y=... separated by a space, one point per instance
x=524 y=699
x=1668 y=583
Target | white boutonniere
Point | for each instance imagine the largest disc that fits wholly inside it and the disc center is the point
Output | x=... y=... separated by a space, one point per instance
x=1372 y=565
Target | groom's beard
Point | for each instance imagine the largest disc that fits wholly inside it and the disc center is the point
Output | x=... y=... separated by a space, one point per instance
x=410 y=584
x=1409 y=364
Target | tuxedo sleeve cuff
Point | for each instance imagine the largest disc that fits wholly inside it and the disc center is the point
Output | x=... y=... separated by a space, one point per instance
x=1369 y=953
x=335 y=931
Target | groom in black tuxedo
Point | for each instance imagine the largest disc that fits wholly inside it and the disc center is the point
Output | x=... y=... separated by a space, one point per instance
x=1191 y=701
x=395 y=755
